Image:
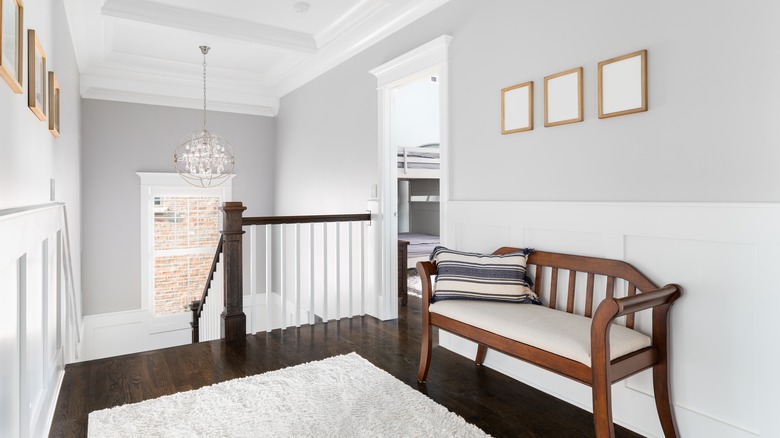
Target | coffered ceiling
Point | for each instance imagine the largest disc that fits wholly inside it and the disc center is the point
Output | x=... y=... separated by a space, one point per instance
x=146 y=51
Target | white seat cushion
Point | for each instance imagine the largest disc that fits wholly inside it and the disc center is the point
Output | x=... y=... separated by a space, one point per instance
x=551 y=330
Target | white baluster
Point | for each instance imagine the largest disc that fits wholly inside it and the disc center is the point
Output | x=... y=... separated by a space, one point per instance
x=325 y=270
x=268 y=284
x=252 y=277
x=311 y=273
x=350 y=270
x=297 y=275
x=282 y=279
x=338 y=270
x=363 y=269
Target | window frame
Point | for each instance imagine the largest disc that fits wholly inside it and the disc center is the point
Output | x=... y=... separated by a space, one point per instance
x=159 y=184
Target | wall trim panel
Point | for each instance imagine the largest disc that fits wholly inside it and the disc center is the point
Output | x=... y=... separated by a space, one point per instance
x=723 y=254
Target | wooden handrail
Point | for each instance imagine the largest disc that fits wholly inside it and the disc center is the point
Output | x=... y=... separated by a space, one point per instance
x=276 y=220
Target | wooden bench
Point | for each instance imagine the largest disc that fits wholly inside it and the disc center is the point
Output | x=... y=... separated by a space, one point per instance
x=529 y=332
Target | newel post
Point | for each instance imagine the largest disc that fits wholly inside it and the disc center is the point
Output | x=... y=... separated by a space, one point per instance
x=233 y=317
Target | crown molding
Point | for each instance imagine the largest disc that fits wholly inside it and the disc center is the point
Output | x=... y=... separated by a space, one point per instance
x=369 y=32
x=234 y=97
x=270 y=108
x=109 y=73
x=361 y=12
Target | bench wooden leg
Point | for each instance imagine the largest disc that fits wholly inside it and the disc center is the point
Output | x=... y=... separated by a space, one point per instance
x=663 y=402
x=602 y=397
x=602 y=411
x=481 y=352
x=425 y=352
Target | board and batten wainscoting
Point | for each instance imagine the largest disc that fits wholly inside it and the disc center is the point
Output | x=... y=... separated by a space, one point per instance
x=40 y=316
x=724 y=328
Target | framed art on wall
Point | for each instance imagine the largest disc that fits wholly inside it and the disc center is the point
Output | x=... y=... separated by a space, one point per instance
x=517 y=108
x=54 y=105
x=11 y=43
x=623 y=85
x=563 y=98
x=36 y=75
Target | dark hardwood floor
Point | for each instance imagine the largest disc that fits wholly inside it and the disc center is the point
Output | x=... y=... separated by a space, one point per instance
x=499 y=405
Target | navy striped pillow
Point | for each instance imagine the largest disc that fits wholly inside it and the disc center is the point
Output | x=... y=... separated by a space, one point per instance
x=473 y=276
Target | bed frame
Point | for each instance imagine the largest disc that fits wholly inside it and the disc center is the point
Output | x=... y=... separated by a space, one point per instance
x=410 y=166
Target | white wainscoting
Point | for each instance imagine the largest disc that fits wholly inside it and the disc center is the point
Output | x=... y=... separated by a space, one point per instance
x=39 y=317
x=118 y=333
x=724 y=349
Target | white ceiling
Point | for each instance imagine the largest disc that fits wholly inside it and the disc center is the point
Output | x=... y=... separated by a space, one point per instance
x=146 y=51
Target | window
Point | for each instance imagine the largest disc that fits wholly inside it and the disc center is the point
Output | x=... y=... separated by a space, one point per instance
x=180 y=230
x=186 y=233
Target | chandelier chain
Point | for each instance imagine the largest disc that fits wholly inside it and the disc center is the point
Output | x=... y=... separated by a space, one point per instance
x=204 y=90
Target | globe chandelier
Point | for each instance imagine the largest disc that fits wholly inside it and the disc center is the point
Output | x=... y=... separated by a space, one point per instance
x=203 y=158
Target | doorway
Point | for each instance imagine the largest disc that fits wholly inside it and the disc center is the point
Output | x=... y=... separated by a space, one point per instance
x=421 y=64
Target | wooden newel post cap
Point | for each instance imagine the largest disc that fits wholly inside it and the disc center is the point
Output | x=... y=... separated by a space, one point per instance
x=232 y=206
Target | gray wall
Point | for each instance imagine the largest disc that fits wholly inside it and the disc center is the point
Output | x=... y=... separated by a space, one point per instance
x=709 y=134
x=29 y=155
x=123 y=138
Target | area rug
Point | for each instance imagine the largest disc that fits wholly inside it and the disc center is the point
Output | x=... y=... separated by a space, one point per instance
x=342 y=396
x=413 y=283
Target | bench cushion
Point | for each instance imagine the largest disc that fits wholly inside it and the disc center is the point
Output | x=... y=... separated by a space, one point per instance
x=551 y=330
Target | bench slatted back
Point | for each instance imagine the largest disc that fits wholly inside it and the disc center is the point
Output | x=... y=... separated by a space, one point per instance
x=611 y=270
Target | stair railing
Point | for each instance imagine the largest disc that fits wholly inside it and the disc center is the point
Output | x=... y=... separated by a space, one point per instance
x=313 y=268
x=210 y=326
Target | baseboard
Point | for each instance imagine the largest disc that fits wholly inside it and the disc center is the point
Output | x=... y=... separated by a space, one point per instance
x=53 y=403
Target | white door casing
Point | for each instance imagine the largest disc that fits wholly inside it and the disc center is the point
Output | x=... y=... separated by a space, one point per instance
x=429 y=59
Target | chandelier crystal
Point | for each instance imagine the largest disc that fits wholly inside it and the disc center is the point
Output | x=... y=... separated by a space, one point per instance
x=203 y=158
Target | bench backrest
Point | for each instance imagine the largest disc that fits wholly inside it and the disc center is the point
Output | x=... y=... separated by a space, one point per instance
x=596 y=271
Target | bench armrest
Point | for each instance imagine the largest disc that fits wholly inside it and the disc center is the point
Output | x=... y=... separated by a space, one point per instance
x=425 y=270
x=660 y=300
x=612 y=308
x=646 y=300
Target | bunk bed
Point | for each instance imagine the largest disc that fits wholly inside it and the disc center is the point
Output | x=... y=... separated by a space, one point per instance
x=421 y=162
x=420 y=246
x=417 y=163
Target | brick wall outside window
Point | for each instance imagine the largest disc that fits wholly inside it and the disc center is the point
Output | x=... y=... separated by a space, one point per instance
x=186 y=232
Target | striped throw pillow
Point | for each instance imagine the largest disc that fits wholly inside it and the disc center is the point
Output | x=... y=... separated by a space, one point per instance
x=472 y=276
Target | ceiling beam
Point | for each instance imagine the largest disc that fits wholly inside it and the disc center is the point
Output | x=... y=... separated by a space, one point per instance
x=164 y=15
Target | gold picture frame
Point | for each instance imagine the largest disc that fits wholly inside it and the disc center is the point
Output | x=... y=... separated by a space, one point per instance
x=36 y=75
x=12 y=43
x=623 y=85
x=517 y=108
x=54 y=105
x=563 y=98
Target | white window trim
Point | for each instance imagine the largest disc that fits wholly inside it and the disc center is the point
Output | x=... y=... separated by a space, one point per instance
x=155 y=184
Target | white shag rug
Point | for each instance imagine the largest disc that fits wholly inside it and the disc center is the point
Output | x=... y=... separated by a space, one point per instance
x=342 y=396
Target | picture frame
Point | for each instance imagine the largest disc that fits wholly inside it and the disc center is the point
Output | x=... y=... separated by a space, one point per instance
x=54 y=104
x=623 y=85
x=12 y=43
x=563 y=98
x=517 y=108
x=36 y=75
